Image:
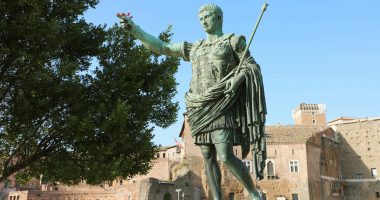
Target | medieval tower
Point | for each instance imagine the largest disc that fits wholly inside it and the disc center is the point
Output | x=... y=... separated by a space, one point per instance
x=310 y=114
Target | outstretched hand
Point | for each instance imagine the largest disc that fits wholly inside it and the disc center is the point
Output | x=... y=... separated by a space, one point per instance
x=126 y=21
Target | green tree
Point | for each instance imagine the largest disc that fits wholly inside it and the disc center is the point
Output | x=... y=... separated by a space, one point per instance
x=61 y=119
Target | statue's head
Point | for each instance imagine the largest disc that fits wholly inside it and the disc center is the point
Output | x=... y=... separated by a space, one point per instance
x=211 y=17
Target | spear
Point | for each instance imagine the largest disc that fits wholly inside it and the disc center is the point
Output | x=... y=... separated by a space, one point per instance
x=263 y=9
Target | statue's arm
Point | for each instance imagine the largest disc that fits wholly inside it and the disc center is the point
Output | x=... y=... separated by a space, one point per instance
x=153 y=43
x=156 y=45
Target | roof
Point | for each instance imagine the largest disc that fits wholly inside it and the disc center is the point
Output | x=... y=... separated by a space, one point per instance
x=348 y=120
x=320 y=108
x=309 y=106
x=291 y=134
x=341 y=119
x=164 y=148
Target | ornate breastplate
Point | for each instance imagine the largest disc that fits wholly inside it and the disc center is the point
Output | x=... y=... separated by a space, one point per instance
x=210 y=63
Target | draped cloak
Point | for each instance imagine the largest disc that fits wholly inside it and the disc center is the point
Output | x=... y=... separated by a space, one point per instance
x=249 y=104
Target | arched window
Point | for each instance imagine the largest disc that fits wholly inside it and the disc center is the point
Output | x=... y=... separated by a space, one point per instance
x=270 y=169
x=167 y=196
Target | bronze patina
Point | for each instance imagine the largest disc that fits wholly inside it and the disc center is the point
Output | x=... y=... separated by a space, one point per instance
x=225 y=105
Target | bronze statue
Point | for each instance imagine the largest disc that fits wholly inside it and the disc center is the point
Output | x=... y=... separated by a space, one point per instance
x=225 y=105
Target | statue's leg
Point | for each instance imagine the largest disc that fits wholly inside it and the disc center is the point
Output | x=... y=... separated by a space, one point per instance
x=237 y=167
x=212 y=170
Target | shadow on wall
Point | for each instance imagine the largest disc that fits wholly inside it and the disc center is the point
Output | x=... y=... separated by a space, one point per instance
x=331 y=187
x=353 y=167
x=183 y=187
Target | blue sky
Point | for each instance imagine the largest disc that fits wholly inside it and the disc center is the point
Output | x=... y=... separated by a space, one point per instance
x=309 y=51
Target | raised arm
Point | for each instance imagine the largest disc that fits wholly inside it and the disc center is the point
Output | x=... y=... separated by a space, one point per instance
x=152 y=43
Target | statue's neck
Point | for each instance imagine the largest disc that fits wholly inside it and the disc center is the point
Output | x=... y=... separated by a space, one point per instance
x=211 y=37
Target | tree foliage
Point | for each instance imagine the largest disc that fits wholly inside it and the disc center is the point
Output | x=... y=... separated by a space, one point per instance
x=60 y=117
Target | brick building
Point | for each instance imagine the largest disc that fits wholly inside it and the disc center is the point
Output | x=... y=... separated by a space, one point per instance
x=82 y=191
x=360 y=161
x=310 y=114
x=304 y=161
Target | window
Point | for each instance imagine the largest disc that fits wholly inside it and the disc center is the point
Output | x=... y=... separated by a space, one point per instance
x=158 y=155
x=313 y=121
x=292 y=151
x=231 y=196
x=248 y=164
x=378 y=194
x=264 y=197
x=313 y=113
x=294 y=196
x=369 y=149
x=357 y=176
x=275 y=152
x=270 y=170
x=167 y=196
x=293 y=166
x=374 y=172
x=163 y=155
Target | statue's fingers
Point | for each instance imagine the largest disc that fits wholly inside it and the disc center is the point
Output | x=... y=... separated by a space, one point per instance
x=228 y=85
x=122 y=23
x=122 y=20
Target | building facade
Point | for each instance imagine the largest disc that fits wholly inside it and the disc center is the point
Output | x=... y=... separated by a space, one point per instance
x=305 y=161
x=360 y=160
x=301 y=161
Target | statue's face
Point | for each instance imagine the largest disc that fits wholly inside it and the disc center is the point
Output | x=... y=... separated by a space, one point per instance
x=209 y=21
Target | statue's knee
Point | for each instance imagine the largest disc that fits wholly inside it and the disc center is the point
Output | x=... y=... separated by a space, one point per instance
x=207 y=155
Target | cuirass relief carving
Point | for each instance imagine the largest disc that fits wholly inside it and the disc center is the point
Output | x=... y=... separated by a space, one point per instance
x=210 y=63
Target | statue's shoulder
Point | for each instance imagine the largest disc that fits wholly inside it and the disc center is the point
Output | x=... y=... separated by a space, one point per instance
x=237 y=42
x=236 y=37
x=198 y=43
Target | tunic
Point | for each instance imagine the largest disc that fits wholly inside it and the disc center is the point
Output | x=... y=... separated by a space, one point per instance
x=210 y=63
